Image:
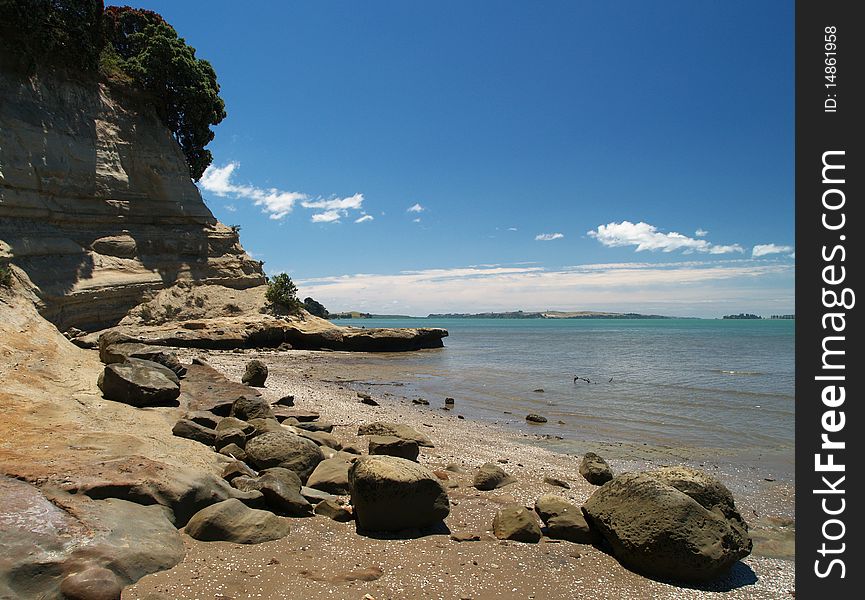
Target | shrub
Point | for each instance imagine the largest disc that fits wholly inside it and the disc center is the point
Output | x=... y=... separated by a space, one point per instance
x=5 y=275
x=282 y=294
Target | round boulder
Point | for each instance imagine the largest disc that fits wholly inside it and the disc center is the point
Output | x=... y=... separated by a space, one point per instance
x=491 y=476
x=91 y=583
x=595 y=469
x=255 y=374
x=655 y=529
x=515 y=522
x=283 y=449
x=232 y=521
x=250 y=408
x=392 y=494
x=331 y=476
x=390 y=445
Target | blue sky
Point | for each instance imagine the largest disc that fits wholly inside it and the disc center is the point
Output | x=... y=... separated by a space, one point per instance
x=409 y=157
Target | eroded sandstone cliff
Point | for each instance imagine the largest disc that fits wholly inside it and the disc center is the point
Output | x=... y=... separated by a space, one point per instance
x=97 y=208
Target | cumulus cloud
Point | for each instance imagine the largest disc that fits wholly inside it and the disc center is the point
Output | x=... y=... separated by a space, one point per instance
x=274 y=202
x=647 y=237
x=764 y=249
x=364 y=219
x=546 y=237
x=416 y=208
x=700 y=288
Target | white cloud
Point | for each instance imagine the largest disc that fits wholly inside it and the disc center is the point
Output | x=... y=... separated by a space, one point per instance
x=546 y=237
x=364 y=219
x=416 y=220
x=701 y=233
x=647 y=237
x=693 y=288
x=274 y=202
x=230 y=207
x=415 y=208
x=512 y=229
x=764 y=249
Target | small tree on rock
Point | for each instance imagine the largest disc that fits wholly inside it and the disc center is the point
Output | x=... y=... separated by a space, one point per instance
x=316 y=308
x=282 y=294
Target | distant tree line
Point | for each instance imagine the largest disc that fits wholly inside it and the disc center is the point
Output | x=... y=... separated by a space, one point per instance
x=743 y=316
x=127 y=46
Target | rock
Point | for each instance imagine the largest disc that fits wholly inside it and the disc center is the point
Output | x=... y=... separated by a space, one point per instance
x=139 y=383
x=233 y=521
x=92 y=583
x=394 y=494
x=237 y=468
x=515 y=522
x=465 y=537
x=595 y=469
x=224 y=437
x=352 y=449
x=449 y=401
x=285 y=401
x=303 y=416
x=278 y=449
x=255 y=374
x=420 y=401
x=534 y=418
x=397 y=430
x=205 y=388
x=708 y=491
x=315 y=426
x=555 y=481
x=281 y=491
x=333 y=510
x=234 y=451
x=330 y=476
x=248 y=408
x=549 y=505
x=393 y=446
x=367 y=399
x=119 y=352
x=235 y=423
x=491 y=476
x=455 y=468
x=203 y=417
x=260 y=426
x=564 y=521
x=321 y=438
x=538 y=390
x=660 y=531
x=315 y=496
x=193 y=431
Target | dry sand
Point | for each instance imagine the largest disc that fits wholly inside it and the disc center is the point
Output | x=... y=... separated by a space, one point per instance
x=324 y=559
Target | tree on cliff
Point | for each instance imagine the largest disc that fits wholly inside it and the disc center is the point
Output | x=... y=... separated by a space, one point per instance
x=132 y=46
x=314 y=307
x=164 y=65
x=282 y=294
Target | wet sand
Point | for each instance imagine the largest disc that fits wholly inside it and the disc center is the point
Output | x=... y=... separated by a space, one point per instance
x=324 y=559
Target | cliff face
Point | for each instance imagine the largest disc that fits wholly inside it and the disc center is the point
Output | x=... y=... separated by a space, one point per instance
x=96 y=203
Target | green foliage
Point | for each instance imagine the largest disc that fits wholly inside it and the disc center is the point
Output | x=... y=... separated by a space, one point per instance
x=282 y=294
x=5 y=275
x=316 y=308
x=184 y=87
x=60 y=32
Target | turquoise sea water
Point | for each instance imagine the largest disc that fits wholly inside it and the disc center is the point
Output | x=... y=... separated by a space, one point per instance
x=703 y=383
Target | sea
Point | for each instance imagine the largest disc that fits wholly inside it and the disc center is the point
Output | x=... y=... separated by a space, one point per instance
x=712 y=387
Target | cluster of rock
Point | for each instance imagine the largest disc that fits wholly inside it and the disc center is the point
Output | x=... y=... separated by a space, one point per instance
x=675 y=523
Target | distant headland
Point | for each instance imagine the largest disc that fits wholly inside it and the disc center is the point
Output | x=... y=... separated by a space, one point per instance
x=518 y=314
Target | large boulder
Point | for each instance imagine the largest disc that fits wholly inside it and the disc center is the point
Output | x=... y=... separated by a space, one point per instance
x=491 y=476
x=284 y=449
x=193 y=431
x=595 y=469
x=397 y=430
x=330 y=476
x=233 y=521
x=139 y=383
x=516 y=522
x=658 y=530
x=392 y=494
x=703 y=488
x=281 y=490
x=255 y=374
x=390 y=445
x=247 y=408
x=120 y=352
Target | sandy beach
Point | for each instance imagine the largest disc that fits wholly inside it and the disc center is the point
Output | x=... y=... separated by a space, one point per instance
x=321 y=558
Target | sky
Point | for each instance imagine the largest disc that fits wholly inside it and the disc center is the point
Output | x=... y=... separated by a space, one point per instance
x=415 y=157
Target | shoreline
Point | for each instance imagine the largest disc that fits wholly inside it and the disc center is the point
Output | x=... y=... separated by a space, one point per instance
x=314 y=378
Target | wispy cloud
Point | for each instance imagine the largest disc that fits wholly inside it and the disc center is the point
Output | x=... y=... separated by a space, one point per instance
x=417 y=220
x=274 y=202
x=764 y=249
x=701 y=288
x=364 y=219
x=546 y=237
x=701 y=233
x=230 y=207
x=415 y=208
x=647 y=237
